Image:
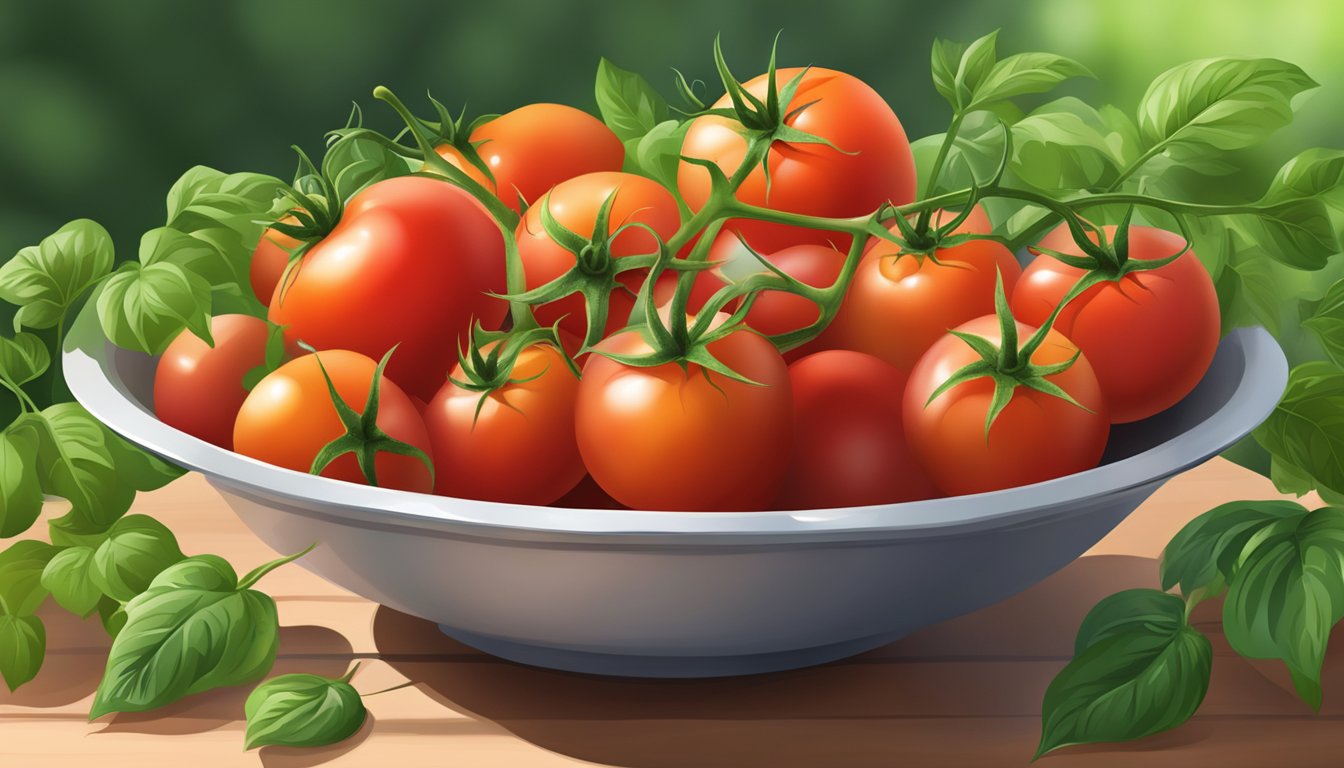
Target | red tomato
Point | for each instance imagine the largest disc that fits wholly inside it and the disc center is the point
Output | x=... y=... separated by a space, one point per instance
x=870 y=163
x=269 y=260
x=289 y=417
x=520 y=448
x=849 y=445
x=198 y=388
x=575 y=205
x=587 y=495
x=409 y=264
x=1150 y=335
x=665 y=438
x=533 y=148
x=1036 y=437
x=899 y=303
x=776 y=312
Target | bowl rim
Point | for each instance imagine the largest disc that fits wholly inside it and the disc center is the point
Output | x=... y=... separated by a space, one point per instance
x=92 y=378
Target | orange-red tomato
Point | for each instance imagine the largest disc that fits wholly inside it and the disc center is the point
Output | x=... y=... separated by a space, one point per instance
x=899 y=304
x=1036 y=437
x=575 y=205
x=269 y=260
x=1150 y=336
x=289 y=416
x=776 y=312
x=869 y=164
x=408 y=265
x=535 y=147
x=520 y=448
x=198 y=388
x=665 y=438
x=849 y=444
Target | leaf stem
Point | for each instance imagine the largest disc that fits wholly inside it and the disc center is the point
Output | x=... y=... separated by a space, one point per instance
x=949 y=139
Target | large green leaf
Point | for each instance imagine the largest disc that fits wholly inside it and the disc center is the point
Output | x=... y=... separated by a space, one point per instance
x=1203 y=554
x=45 y=280
x=1306 y=429
x=145 y=307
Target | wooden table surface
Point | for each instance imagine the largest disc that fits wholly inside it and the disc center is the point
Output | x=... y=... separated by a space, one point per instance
x=966 y=692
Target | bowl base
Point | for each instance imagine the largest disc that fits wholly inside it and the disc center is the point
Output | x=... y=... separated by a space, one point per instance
x=627 y=665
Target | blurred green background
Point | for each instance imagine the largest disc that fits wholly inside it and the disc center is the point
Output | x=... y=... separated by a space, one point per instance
x=103 y=105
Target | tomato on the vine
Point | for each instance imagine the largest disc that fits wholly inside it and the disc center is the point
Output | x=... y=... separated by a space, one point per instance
x=289 y=417
x=849 y=445
x=1036 y=437
x=535 y=147
x=899 y=303
x=198 y=388
x=269 y=260
x=1150 y=335
x=515 y=445
x=778 y=312
x=409 y=264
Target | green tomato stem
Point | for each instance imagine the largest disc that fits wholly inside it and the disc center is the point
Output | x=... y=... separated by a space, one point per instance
x=949 y=139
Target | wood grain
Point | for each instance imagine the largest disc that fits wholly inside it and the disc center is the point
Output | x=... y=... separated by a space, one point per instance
x=964 y=693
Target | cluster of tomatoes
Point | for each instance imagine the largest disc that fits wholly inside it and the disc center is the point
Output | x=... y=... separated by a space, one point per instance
x=902 y=397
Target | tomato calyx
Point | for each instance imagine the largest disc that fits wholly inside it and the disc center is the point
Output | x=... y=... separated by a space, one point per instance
x=923 y=241
x=362 y=437
x=489 y=372
x=456 y=133
x=316 y=210
x=1109 y=261
x=1007 y=364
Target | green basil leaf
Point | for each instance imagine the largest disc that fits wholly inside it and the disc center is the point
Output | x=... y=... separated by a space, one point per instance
x=45 y=280
x=1022 y=74
x=1298 y=233
x=1327 y=322
x=20 y=489
x=1315 y=172
x=972 y=159
x=21 y=565
x=301 y=710
x=1289 y=479
x=1287 y=593
x=629 y=105
x=23 y=643
x=946 y=59
x=68 y=578
x=975 y=65
x=193 y=630
x=1306 y=429
x=1203 y=554
x=75 y=462
x=353 y=163
x=657 y=153
x=1063 y=145
x=112 y=614
x=1126 y=686
x=145 y=307
x=23 y=358
x=1132 y=610
x=165 y=245
x=137 y=549
x=1210 y=105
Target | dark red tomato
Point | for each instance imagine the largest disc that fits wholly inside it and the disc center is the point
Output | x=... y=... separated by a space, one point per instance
x=198 y=388
x=520 y=446
x=587 y=495
x=289 y=417
x=899 y=304
x=849 y=444
x=870 y=163
x=409 y=264
x=533 y=148
x=575 y=205
x=664 y=438
x=1150 y=335
x=1035 y=438
x=269 y=260
x=776 y=312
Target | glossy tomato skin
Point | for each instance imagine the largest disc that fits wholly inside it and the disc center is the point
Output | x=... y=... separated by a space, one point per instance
x=409 y=265
x=198 y=388
x=661 y=438
x=535 y=147
x=289 y=417
x=1036 y=437
x=899 y=304
x=849 y=445
x=777 y=312
x=871 y=163
x=521 y=447
x=575 y=205
x=269 y=260
x=1150 y=336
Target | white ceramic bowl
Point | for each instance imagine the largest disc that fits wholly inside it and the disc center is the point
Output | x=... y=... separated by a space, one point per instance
x=674 y=594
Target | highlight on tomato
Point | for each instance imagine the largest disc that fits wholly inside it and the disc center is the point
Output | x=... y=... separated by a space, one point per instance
x=199 y=387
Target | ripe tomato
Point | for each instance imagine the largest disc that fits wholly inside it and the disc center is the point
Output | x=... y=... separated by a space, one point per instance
x=575 y=205
x=269 y=260
x=587 y=495
x=521 y=447
x=289 y=417
x=1036 y=437
x=1150 y=335
x=899 y=303
x=776 y=312
x=198 y=388
x=849 y=445
x=533 y=148
x=665 y=438
x=409 y=264
x=870 y=163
